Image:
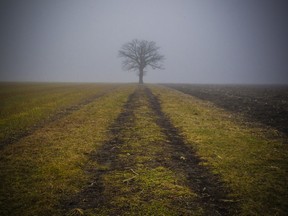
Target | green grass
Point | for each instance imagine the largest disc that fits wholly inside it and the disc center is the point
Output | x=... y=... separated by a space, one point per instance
x=254 y=165
x=24 y=105
x=47 y=166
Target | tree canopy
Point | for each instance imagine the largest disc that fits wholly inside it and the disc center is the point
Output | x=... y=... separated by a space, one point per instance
x=139 y=54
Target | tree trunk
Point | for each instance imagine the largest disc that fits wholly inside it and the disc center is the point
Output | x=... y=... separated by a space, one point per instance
x=141 y=73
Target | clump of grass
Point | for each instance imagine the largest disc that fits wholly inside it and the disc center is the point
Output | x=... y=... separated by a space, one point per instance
x=47 y=166
x=253 y=165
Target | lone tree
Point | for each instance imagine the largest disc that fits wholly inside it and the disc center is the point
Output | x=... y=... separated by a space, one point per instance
x=140 y=54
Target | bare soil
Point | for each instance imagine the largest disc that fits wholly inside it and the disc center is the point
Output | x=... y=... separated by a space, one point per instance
x=212 y=193
x=267 y=104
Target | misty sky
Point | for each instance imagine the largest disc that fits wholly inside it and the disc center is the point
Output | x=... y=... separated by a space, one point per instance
x=204 y=41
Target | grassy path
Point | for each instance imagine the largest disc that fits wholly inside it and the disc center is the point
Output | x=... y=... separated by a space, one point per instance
x=146 y=168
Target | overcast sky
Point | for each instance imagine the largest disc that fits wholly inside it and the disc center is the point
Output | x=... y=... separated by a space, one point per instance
x=204 y=41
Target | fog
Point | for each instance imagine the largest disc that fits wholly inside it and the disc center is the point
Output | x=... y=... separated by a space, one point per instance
x=204 y=41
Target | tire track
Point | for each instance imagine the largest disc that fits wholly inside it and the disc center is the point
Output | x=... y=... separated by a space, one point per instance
x=56 y=116
x=175 y=154
x=92 y=195
x=212 y=193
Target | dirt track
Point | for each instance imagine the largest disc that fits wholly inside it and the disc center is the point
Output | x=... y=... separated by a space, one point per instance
x=172 y=152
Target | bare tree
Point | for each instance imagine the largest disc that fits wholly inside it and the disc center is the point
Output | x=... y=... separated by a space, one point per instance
x=140 y=54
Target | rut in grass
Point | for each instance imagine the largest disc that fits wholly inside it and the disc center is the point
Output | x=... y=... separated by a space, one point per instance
x=92 y=196
x=212 y=192
x=58 y=115
x=171 y=169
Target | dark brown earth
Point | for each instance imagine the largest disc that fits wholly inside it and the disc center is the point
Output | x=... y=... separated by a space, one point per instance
x=52 y=118
x=266 y=104
x=212 y=192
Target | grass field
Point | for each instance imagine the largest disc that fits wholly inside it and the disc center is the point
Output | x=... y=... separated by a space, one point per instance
x=26 y=105
x=119 y=149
